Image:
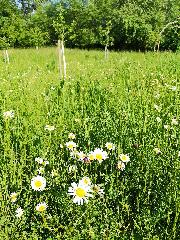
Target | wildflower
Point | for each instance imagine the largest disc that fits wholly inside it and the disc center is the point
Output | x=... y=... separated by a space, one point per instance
x=72 y=136
x=179 y=154
x=80 y=193
x=158 y=119
x=39 y=160
x=173 y=88
x=110 y=146
x=71 y=145
x=38 y=183
x=96 y=188
x=100 y=155
x=166 y=127
x=120 y=166
x=72 y=168
x=19 y=212
x=44 y=163
x=174 y=121
x=49 y=128
x=41 y=170
x=157 y=151
x=124 y=157
x=91 y=156
x=8 y=114
x=157 y=107
x=54 y=173
x=13 y=197
x=61 y=146
x=81 y=155
x=85 y=181
x=74 y=153
x=41 y=207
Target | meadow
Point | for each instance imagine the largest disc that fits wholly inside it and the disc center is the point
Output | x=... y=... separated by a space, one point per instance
x=50 y=127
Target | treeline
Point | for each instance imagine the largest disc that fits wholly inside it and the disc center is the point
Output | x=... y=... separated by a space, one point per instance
x=117 y=24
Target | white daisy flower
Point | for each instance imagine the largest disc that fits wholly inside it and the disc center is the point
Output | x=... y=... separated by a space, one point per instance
x=39 y=160
x=41 y=207
x=110 y=146
x=85 y=181
x=120 y=166
x=124 y=157
x=71 y=145
x=44 y=163
x=157 y=150
x=13 y=197
x=158 y=108
x=174 y=121
x=173 y=88
x=97 y=189
x=61 y=146
x=166 y=127
x=100 y=155
x=19 y=212
x=8 y=114
x=49 y=128
x=158 y=119
x=81 y=156
x=38 y=183
x=41 y=170
x=91 y=156
x=72 y=136
x=80 y=193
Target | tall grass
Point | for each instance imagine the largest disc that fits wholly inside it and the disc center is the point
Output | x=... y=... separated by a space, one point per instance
x=100 y=101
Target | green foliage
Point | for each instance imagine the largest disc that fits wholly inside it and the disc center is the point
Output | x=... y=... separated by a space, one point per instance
x=88 y=24
x=100 y=101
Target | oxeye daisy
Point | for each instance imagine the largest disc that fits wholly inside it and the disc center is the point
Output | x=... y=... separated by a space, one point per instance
x=100 y=155
x=41 y=207
x=110 y=146
x=158 y=119
x=120 y=166
x=91 y=156
x=81 y=155
x=44 y=163
x=174 y=121
x=157 y=151
x=19 y=212
x=80 y=192
x=72 y=136
x=41 y=170
x=71 y=145
x=8 y=114
x=39 y=160
x=124 y=157
x=13 y=197
x=38 y=183
x=85 y=181
x=96 y=188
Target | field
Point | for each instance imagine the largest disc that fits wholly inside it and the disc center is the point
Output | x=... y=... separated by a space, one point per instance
x=130 y=100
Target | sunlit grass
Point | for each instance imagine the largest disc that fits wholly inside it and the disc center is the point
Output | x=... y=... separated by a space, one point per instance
x=130 y=101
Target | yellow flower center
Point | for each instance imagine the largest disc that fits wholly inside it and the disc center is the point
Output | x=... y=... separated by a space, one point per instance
x=13 y=198
x=42 y=208
x=124 y=157
x=70 y=146
x=80 y=192
x=38 y=183
x=91 y=157
x=86 y=181
x=109 y=146
x=99 y=156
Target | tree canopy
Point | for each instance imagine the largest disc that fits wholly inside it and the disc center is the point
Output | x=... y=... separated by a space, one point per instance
x=118 y=24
